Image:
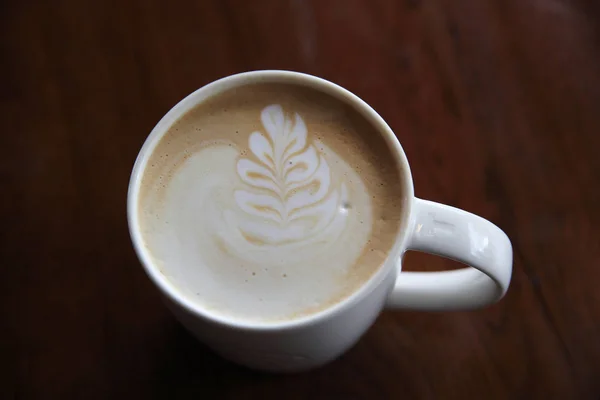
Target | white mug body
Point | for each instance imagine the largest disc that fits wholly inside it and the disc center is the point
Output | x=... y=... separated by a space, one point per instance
x=313 y=340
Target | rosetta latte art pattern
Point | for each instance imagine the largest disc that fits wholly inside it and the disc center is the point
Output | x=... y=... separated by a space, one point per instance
x=289 y=194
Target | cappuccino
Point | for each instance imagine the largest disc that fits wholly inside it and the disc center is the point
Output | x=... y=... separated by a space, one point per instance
x=270 y=201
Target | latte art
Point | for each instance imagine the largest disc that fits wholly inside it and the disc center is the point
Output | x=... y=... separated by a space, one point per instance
x=290 y=194
x=269 y=202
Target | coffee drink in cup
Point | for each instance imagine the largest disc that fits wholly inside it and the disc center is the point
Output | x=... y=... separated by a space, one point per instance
x=270 y=201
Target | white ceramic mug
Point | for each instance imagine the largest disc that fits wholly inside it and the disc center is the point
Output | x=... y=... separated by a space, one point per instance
x=313 y=340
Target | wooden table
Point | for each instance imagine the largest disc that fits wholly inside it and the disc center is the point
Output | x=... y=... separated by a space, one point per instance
x=496 y=103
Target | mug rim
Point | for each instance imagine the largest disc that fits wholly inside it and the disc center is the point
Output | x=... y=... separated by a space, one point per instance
x=168 y=289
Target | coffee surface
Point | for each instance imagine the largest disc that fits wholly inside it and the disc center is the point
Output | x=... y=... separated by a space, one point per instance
x=270 y=201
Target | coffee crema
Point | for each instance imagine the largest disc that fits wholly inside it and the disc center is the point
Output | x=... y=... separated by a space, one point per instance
x=270 y=202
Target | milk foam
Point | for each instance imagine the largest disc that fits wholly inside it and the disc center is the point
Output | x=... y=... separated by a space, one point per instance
x=266 y=231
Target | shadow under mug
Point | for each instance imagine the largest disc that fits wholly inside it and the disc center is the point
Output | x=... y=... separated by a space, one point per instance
x=313 y=340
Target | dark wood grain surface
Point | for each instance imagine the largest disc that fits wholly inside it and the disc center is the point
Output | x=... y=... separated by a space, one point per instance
x=496 y=103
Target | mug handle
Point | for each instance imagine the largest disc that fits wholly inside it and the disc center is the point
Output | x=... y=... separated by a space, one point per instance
x=459 y=235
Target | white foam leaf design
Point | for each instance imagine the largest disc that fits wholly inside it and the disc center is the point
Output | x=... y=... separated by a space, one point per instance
x=256 y=175
x=321 y=209
x=307 y=194
x=301 y=167
x=288 y=182
x=259 y=204
x=258 y=145
x=297 y=137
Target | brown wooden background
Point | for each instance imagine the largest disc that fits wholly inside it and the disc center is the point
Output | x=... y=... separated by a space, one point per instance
x=497 y=105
